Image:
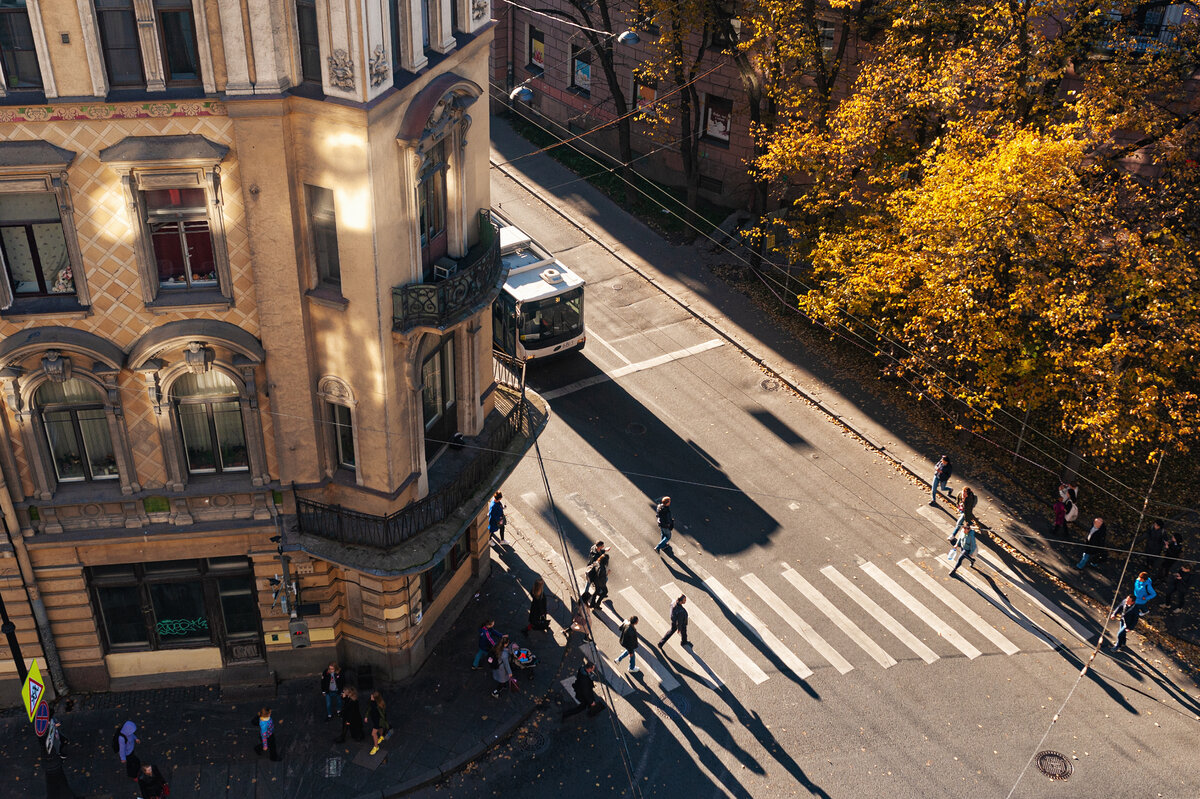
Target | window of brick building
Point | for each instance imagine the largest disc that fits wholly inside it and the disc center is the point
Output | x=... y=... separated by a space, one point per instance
x=119 y=41
x=76 y=426
x=209 y=410
x=177 y=221
x=718 y=116
x=537 y=51
x=177 y=36
x=581 y=70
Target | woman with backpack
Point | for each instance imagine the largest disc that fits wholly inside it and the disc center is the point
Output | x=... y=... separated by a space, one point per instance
x=501 y=661
x=124 y=740
x=377 y=721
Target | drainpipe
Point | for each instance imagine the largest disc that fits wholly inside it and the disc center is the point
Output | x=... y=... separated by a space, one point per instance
x=12 y=528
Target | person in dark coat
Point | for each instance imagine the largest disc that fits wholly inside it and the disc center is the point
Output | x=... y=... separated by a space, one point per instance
x=489 y=636
x=538 y=620
x=666 y=522
x=1154 y=539
x=1177 y=587
x=352 y=715
x=941 y=478
x=598 y=549
x=1060 y=519
x=966 y=512
x=599 y=579
x=1094 y=542
x=1128 y=612
x=1171 y=552
x=151 y=784
x=629 y=641
x=679 y=620
x=584 y=688
x=377 y=720
x=331 y=687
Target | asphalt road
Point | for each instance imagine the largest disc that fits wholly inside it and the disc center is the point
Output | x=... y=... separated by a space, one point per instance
x=833 y=654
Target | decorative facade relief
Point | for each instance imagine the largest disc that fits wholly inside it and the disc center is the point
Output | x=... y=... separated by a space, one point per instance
x=479 y=9
x=379 y=65
x=341 y=70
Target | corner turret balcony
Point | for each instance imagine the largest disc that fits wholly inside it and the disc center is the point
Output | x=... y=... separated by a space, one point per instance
x=461 y=286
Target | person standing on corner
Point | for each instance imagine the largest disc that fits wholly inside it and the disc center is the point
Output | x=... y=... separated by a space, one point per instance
x=352 y=716
x=598 y=578
x=966 y=512
x=1155 y=537
x=124 y=742
x=378 y=722
x=679 y=621
x=331 y=686
x=629 y=640
x=496 y=520
x=666 y=523
x=502 y=672
x=1060 y=519
x=266 y=732
x=1143 y=592
x=941 y=477
x=538 y=620
x=488 y=638
x=1171 y=552
x=1095 y=539
x=151 y=784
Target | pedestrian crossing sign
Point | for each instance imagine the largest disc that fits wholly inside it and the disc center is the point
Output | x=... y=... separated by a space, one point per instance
x=33 y=691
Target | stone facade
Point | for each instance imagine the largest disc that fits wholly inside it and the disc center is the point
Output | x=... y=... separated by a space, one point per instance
x=201 y=239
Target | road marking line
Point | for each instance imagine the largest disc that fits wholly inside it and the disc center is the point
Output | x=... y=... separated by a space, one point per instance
x=1003 y=604
x=631 y=368
x=607 y=531
x=648 y=615
x=922 y=612
x=665 y=678
x=958 y=606
x=594 y=336
x=1047 y=607
x=758 y=629
x=798 y=624
x=723 y=642
x=882 y=616
x=852 y=630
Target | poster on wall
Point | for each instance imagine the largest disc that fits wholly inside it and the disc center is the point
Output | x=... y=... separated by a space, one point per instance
x=583 y=75
x=537 y=50
x=717 y=124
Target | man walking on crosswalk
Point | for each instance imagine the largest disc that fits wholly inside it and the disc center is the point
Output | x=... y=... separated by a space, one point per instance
x=666 y=522
x=679 y=619
x=629 y=641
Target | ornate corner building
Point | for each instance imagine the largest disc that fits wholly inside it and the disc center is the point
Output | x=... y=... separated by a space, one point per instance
x=245 y=345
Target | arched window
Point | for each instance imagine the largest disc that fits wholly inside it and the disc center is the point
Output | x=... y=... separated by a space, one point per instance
x=210 y=418
x=77 y=431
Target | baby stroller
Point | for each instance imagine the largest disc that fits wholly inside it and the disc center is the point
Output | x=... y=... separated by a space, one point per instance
x=522 y=658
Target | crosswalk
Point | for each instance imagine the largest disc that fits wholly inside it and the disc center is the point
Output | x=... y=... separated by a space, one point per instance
x=783 y=637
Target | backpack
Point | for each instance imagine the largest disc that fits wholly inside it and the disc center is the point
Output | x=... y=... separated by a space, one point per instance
x=116 y=743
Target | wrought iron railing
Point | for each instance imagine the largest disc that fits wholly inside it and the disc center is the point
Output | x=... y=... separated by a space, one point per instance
x=346 y=526
x=477 y=280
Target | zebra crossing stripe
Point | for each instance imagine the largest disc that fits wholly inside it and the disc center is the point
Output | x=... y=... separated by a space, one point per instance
x=648 y=615
x=852 y=630
x=958 y=606
x=740 y=658
x=923 y=613
x=665 y=678
x=798 y=624
x=759 y=629
x=882 y=616
x=607 y=531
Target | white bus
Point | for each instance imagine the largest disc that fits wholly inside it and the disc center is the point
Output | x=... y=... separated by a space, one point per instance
x=540 y=310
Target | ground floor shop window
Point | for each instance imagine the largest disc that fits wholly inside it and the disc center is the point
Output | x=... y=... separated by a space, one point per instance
x=175 y=603
x=434 y=580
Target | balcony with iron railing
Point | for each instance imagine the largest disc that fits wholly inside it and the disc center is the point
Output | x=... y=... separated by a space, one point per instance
x=413 y=535
x=470 y=284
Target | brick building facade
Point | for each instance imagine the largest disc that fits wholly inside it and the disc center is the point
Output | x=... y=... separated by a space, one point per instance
x=247 y=269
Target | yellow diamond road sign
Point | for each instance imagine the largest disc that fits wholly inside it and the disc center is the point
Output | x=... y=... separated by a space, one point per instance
x=33 y=691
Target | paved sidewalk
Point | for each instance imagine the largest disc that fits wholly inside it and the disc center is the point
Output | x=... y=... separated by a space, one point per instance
x=444 y=717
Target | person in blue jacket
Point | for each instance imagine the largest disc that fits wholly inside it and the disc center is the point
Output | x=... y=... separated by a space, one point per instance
x=496 y=520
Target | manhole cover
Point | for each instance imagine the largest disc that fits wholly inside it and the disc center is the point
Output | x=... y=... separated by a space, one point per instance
x=532 y=742
x=1054 y=765
x=332 y=767
x=681 y=704
x=617 y=287
x=770 y=384
x=636 y=429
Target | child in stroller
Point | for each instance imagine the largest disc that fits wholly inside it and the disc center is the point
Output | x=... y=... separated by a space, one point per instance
x=522 y=658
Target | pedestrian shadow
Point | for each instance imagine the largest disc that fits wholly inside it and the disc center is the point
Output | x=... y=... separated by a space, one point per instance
x=1100 y=681
x=684 y=573
x=1155 y=675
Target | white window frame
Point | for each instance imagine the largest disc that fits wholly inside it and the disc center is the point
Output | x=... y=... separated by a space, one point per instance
x=56 y=183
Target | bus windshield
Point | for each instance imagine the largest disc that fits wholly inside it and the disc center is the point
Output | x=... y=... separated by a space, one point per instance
x=547 y=322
